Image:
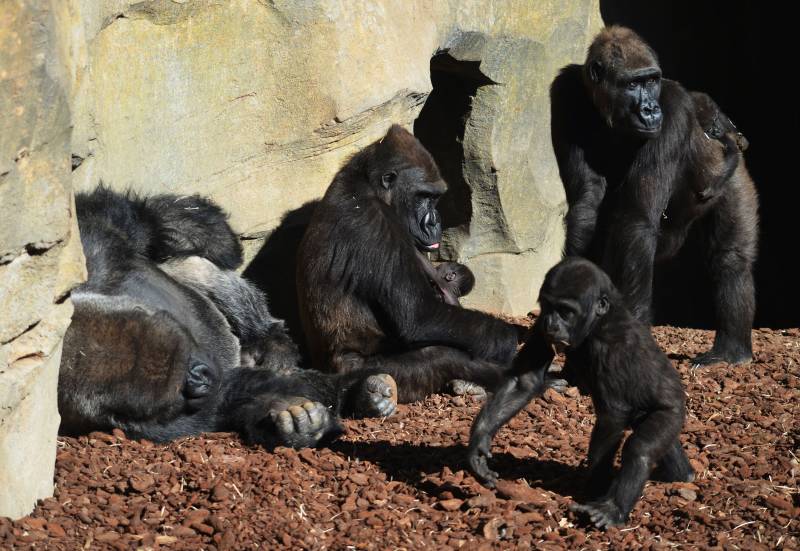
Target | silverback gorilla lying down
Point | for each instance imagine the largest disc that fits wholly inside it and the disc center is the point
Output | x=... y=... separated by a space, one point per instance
x=167 y=341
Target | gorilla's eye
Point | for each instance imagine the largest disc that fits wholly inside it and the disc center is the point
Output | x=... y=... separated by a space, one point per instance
x=632 y=85
x=651 y=82
x=389 y=179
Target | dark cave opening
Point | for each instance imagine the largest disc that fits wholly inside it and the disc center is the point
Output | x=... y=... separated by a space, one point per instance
x=734 y=51
x=441 y=125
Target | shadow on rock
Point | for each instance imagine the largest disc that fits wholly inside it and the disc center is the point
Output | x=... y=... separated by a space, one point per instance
x=274 y=267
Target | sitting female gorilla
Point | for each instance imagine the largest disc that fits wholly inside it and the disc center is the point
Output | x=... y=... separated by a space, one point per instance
x=163 y=325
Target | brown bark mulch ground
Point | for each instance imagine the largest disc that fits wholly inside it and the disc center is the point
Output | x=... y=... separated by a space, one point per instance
x=399 y=483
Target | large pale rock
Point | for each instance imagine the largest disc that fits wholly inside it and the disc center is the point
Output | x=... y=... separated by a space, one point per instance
x=257 y=103
x=40 y=253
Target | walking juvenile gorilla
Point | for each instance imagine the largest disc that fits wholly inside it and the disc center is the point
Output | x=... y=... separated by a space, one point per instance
x=365 y=298
x=163 y=323
x=614 y=358
x=632 y=156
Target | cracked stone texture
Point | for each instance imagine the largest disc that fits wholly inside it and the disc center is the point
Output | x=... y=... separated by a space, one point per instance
x=258 y=103
x=40 y=253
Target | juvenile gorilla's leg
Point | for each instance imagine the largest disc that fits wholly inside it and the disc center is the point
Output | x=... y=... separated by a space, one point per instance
x=733 y=235
x=674 y=466
x=650 y=441
x=264 y=340
x=606 y=437
x=525 y=380
x=425 y=371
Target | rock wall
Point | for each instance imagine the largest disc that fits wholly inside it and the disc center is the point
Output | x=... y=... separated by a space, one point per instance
x=40 y=253
x=258 y=102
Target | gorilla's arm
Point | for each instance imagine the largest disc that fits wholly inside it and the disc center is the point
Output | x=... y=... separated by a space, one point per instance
x=525 y=381
x=630 y=250
x=263 y=339
x=584 y=187
x=419 y=319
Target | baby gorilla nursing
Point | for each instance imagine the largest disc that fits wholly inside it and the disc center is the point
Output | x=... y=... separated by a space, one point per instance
x=168 y=341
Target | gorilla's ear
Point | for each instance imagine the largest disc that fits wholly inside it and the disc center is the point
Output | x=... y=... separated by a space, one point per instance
x=388 y=179
x=601 y=307
x=596 y=71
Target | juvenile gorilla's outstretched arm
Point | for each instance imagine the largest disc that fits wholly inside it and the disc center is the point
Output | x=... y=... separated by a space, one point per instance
x=525 y=381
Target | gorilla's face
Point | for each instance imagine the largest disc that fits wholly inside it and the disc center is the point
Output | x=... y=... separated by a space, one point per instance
x=628 y=100
x=414 y=199
x=574 y=296
x=407 y=179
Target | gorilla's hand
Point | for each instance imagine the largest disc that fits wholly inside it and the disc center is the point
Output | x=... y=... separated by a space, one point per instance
x=300 y=423
x=477 y=458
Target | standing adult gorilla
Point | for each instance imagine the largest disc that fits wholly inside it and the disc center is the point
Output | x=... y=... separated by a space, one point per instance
x=365 y=299
x=629 y=149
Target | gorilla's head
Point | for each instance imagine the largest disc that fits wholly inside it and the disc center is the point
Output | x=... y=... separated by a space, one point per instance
x=574 y=297
x=405 y=177
x=624 y=80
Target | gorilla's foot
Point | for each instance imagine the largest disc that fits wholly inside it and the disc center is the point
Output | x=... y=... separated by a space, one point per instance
x=721 y=355
x=460 y=387
x=200 y=381
x=377 y=396
x=557 y=384
x=603 y=514
x=301 y=423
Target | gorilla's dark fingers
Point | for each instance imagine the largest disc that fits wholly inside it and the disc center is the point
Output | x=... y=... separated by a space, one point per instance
x=602 y=514
x=460 y=387
x=478 y=461
x=556 y=383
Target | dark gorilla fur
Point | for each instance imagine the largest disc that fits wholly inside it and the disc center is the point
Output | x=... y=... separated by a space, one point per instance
x=638 y=171
x=366 y=299
x=154 y=346
x=613 y=357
